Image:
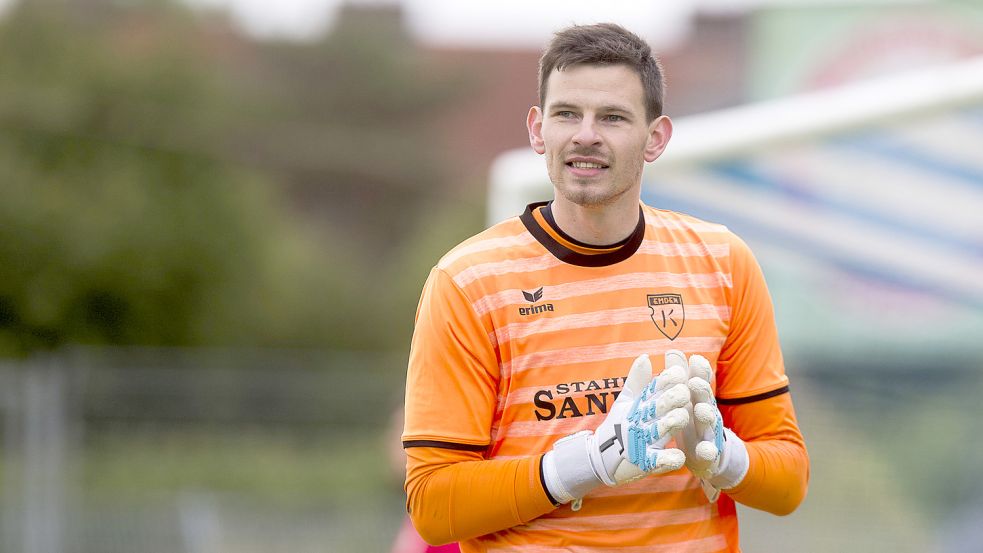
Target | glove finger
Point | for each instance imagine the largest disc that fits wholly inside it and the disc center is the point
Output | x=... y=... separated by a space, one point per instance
x=705 y=420
x=639 y=376
x=676 y=358
x=699 y=367
x=701 y=390
x=670 y=377
x=672 y=398
x=709 y=425
x=705 y=412
x=707 y=452
x=635 y=388
x=665 y=460
x=643 y=436
x=669 y=425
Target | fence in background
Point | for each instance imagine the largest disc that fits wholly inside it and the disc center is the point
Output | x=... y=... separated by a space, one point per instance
x=186 y=451
x=154 y=450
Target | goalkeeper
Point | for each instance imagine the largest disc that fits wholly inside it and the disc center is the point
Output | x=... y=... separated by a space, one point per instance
x=597 y=374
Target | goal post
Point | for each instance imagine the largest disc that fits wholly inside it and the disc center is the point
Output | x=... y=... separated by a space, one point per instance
x=861 y=203
x=518 y=175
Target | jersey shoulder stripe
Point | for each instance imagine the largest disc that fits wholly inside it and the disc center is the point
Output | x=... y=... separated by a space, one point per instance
x=508 y=236
x=753 y=398
x=676 y=221
x=443 y=445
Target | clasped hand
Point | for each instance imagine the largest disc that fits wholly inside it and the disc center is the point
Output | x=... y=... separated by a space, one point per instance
x=632 y=440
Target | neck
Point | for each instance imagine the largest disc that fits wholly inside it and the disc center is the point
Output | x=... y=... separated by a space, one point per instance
x=596 y=225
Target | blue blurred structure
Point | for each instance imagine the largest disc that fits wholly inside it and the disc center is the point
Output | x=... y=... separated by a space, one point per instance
x=862 y=204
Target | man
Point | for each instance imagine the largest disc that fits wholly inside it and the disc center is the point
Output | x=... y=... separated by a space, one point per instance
x=525 y=429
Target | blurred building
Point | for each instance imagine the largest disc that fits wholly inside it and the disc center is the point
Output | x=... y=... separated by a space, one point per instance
x=728 y=58
x=705 y=73
x=859 y=200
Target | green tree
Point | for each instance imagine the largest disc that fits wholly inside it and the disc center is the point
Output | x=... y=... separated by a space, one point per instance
x=166 y=181
x=122 y=222
x=349 y=125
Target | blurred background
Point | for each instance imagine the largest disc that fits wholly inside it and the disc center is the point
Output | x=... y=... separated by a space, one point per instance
x=216 y=217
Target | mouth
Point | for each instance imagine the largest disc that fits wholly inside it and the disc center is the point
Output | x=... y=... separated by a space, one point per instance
x=586 y=168
x=580 y=164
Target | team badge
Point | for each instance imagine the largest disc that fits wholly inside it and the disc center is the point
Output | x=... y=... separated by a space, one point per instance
x=667 y=313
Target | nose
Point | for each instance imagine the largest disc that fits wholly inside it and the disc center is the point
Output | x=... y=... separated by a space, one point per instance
x=586 y=133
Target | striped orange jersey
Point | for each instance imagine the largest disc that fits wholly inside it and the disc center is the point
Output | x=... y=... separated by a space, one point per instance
x=524 y=336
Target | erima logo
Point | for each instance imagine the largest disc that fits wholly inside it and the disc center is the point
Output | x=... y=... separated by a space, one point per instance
x=533 y=297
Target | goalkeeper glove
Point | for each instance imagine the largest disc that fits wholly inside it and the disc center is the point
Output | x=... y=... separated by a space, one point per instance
x=631 y=441
x=713 y=452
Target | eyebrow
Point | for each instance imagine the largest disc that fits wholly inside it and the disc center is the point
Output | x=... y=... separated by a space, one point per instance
x=604 y=108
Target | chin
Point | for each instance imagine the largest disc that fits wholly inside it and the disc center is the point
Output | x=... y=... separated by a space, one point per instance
x=588 y=198
x=593 y=194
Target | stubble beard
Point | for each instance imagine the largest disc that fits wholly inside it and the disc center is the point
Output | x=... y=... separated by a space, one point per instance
x=589 y=193
x=590 y=196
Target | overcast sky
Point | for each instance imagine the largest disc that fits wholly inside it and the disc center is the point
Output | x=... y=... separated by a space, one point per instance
x=500 y=23
x=519 y=23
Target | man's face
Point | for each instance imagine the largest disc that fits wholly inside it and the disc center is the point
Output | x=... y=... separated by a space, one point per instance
x=594 y=134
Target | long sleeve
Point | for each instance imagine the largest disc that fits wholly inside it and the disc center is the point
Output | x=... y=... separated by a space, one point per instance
x=754 y=398
x=453 y=492
x=778 y=469
x=456 y=495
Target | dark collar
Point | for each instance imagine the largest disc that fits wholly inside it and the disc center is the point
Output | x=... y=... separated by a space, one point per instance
x=565 y=254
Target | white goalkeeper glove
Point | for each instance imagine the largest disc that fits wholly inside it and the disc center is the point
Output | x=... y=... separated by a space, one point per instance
x=631 y=441
x=713 y=452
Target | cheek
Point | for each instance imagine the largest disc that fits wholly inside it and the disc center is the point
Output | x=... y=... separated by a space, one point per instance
x=554 y=147
x=636 y=145
x=557 y=134
x=549 y=137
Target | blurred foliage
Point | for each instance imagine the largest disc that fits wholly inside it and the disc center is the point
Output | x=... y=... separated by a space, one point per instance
x=899 y=426
x=355 y=136
x=168 y=182
x=281 y=471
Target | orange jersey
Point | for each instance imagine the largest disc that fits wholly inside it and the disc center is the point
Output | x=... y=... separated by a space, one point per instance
x=524 y=336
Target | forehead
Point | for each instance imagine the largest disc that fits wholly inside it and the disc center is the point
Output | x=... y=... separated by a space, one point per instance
x=595 y=85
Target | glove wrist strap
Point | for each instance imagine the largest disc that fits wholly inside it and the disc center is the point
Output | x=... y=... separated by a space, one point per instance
x=733 y=463
x=567 y=468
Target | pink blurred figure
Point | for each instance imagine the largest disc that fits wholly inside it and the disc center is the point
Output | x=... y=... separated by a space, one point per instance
x=409 y=541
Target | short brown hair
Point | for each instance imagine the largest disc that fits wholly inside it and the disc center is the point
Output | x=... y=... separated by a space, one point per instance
x=604 y=44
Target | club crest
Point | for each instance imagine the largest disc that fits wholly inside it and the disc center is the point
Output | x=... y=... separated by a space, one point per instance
x=667 y=313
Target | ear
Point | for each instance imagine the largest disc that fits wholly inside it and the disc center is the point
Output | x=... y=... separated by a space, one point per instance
x=660 y=131
x=534 y=122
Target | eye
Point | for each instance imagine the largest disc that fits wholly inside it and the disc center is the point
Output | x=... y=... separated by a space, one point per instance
x=565 y=114
x=614 y=118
